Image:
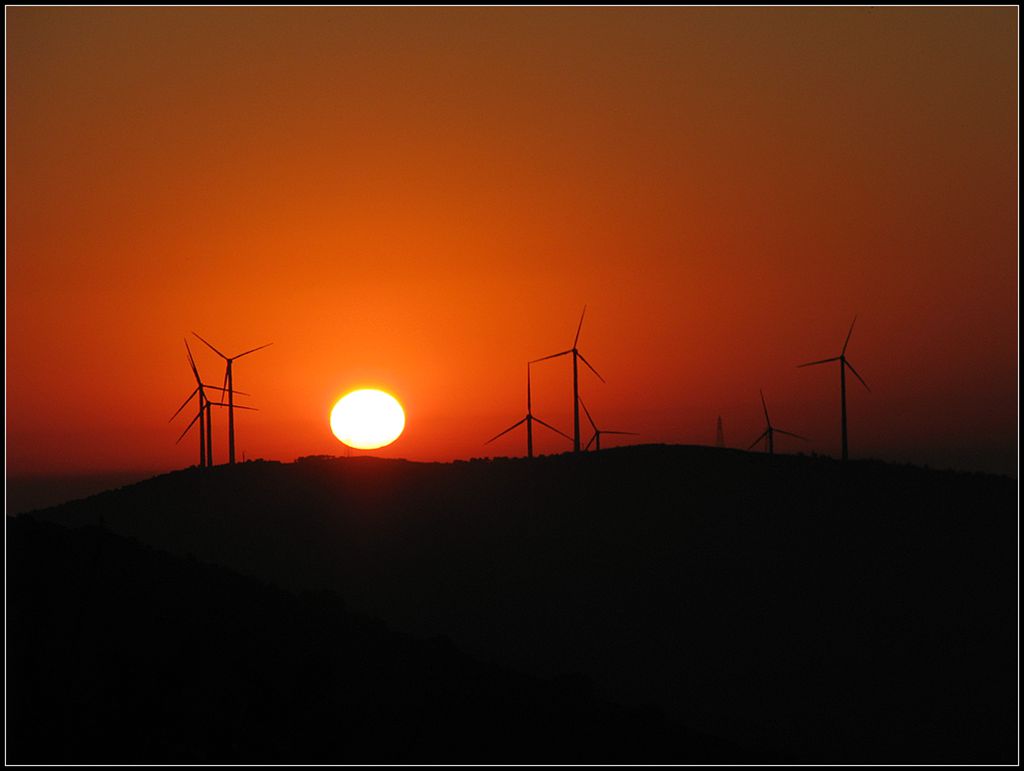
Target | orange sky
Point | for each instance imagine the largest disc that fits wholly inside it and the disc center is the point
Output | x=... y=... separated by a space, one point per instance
x=422 y=199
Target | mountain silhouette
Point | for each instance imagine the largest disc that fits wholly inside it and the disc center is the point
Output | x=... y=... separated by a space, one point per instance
x=119 y=653
x=808 y=609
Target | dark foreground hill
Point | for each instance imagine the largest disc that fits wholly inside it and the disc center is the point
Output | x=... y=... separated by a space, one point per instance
x=864 y=613
x=122 y=654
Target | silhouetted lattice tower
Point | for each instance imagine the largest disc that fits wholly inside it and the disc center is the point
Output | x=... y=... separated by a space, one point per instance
x=719 y=434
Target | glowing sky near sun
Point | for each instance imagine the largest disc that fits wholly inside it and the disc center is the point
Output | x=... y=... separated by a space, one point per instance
x=422 y=199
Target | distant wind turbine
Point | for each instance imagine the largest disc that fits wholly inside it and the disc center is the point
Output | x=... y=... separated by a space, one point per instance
x=528 y=420
x=228 y=381
x=575 y=380
x=205 y=428
x=596 y=438
x=843 y=364
x=770 y=431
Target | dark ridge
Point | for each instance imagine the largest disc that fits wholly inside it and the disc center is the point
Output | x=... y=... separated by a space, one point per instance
x=839 y=613
x=118 y=653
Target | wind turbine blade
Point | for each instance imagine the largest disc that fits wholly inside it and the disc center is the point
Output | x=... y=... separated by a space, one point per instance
x=529 y=397
x=183 y=404
x=585 y=449
x=591 y=368
x=847 y=363
x=210 y=345
x=547 y=425
x=218 y=388
x=766 y=418
x=580 y=327
x=224 y=385
x=790 y=433
x=189 y=426
x=848 y=335
x=754 y=443
x=586 y=412
x=624 y=433
x=237 y=406
x=552 y=356
x=514 y=425
x=192 y=364
x=820 y=361
x=251 y=350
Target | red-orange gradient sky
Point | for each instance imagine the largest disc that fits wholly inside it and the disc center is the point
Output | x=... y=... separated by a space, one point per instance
x=422 y=199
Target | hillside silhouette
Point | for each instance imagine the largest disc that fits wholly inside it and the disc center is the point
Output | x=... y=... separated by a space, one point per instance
x=825 y=612
x=119 y=653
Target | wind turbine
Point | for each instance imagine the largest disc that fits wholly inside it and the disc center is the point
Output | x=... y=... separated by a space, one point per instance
x=202 y=423
x=231 y=393
x=596 y=438
x=770 y=431
x=205 y=424
x=576 y=355
x=528 y=420
x=843 y=364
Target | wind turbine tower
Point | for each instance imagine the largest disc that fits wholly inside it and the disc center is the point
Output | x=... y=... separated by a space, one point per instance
x=843 y=364
x=199 y=415
x=229 y=382
x=203 y=415
x=576 y=356
x=528 y=420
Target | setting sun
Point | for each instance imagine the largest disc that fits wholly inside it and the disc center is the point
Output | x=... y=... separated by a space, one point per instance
x=367 y=419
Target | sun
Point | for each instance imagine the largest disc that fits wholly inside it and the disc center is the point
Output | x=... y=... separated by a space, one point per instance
x=367 y=419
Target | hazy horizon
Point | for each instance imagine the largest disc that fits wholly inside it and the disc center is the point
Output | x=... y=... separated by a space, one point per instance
x=26 y=492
